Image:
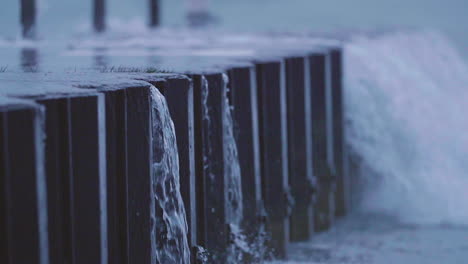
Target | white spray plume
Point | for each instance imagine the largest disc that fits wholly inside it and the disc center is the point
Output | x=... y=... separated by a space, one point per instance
x=406 y=96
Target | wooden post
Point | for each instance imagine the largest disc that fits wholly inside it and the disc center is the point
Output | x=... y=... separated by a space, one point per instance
x=76 y=178
x=28 y=18
x=99 y=16
x=273 y=148
x=129 y=180
x=155 y=18
x=140 y=159
x=198 y=86
x=243 y=98
x=88 y=182
x=300 y=148
x=116 y=143
x=321 y=140
x=209 y=164
x=58 y=162
x=340 y=153
x=75 y=171
x=23 y=207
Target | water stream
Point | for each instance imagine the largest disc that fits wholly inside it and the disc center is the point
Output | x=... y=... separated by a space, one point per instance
x=238 y=245
x=233 y=184
x=170 y=225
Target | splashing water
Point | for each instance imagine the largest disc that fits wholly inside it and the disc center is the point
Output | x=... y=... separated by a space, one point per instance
x=238 y=245
x=242 y=248
x=170 y=225
x=233 y=184
x=406 y=95
x=232 y=169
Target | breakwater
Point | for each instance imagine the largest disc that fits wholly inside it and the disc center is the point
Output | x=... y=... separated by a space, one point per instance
x=221 y=153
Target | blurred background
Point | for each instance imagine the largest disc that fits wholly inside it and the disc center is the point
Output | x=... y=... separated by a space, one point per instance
x=60 y=18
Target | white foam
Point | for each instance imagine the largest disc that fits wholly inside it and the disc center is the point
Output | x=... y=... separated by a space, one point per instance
x=406 y=97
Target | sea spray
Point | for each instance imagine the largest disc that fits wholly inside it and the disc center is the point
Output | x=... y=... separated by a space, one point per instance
x=406 y=95
x=170 y=224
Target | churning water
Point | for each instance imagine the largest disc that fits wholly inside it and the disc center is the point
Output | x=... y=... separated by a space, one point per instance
x=406 y=109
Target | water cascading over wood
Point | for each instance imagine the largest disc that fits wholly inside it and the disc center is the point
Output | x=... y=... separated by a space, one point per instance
x=170 y=224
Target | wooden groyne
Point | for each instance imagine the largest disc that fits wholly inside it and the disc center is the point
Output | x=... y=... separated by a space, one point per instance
x=78 y=155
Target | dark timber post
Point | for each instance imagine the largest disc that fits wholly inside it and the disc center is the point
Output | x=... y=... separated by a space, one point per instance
x=154 y=13
x=28 y=18
x=243 y=98
x=321 y=140
x=209 y=164
x=116 y=157
x=23 y=208
x=178 y=91
x=300 y=148
x=99 y=15
x=129 y=174
x=273 y=148
x=140 y=161
x=198 y=86
x=75 y=172
x=88 y=183
x=340 y=156
x=76 y=178
x=58 y=165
